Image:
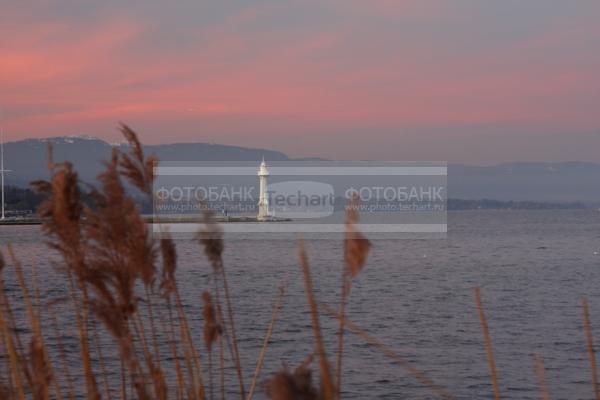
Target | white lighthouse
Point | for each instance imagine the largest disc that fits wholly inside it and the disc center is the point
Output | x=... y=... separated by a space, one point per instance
x=263 y=202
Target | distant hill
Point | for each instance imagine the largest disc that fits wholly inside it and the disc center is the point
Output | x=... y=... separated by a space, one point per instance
x=28 y=158
x=545 y=182
x=552 y=182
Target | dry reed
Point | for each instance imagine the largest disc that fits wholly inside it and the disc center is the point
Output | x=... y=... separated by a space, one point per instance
x=212 y=331
x=263 y=351
x=112 y=269
x=539 y=369
x=587 y=327
x=327 y=388
x=211 y=238
x=387 y=351
x=488 y=342
x=356 y=249
x=296 y=385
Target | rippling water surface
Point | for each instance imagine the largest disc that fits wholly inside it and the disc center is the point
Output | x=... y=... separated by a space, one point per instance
x=533 y=267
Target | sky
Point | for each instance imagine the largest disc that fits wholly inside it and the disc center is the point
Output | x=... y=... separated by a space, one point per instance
x=467 y=81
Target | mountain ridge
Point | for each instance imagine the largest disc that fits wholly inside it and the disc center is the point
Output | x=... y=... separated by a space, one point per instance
x=516 y=181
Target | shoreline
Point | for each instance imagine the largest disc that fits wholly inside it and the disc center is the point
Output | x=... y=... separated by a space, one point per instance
x=150 y=219
x=237 y=219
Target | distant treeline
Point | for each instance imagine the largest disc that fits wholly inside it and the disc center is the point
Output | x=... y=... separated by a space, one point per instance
x=25 y=200
x=21 y=199
x=487 y=204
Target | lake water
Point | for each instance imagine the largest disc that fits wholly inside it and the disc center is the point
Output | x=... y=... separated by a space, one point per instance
x=533 y=267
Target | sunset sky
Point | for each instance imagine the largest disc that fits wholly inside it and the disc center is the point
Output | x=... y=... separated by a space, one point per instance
x=469 y=81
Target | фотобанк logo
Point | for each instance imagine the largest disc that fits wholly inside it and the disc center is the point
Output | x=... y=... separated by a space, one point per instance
x=283 y=198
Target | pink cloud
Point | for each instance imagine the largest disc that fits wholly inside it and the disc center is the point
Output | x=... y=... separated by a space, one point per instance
x=242 y=74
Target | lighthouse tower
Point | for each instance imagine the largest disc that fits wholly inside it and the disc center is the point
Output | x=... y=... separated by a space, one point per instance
x=263 y=203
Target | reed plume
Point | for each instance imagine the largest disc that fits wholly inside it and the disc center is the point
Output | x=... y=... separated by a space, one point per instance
x=356 y=246
x=136 y=166
x=62 y=213
x=212 y=329
x=106 y=247
x=169 y=259
x=296 y=385
x=356 y=249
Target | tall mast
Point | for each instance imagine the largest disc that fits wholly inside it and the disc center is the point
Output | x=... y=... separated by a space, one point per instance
x=2 y=170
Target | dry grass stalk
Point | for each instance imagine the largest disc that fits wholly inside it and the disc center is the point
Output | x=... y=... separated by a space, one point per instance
x=169 y=289
x=157 y=356
x=84 y=350
x=5 y=387
x=100 y=356
x=160 y=389
x=62 y=212
x=36 y=291
x=222 y=338
x=212 y=331
x=211 y=239
x=387 y=351
x=168 y=286
x=13 y=358
x=18 y=362
x=488 y=342
x=139 y=329
x=5 y=391
x=222 y=367
x=40 y=366
x=538 y=366
x=345 y=291
x=108 y=251
x=587 y=326
x=263 y=351
x=123 y=381
x=62 y=354
x=172 y=345
x=327 y=384
x=191 y=355
x=356 y=249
